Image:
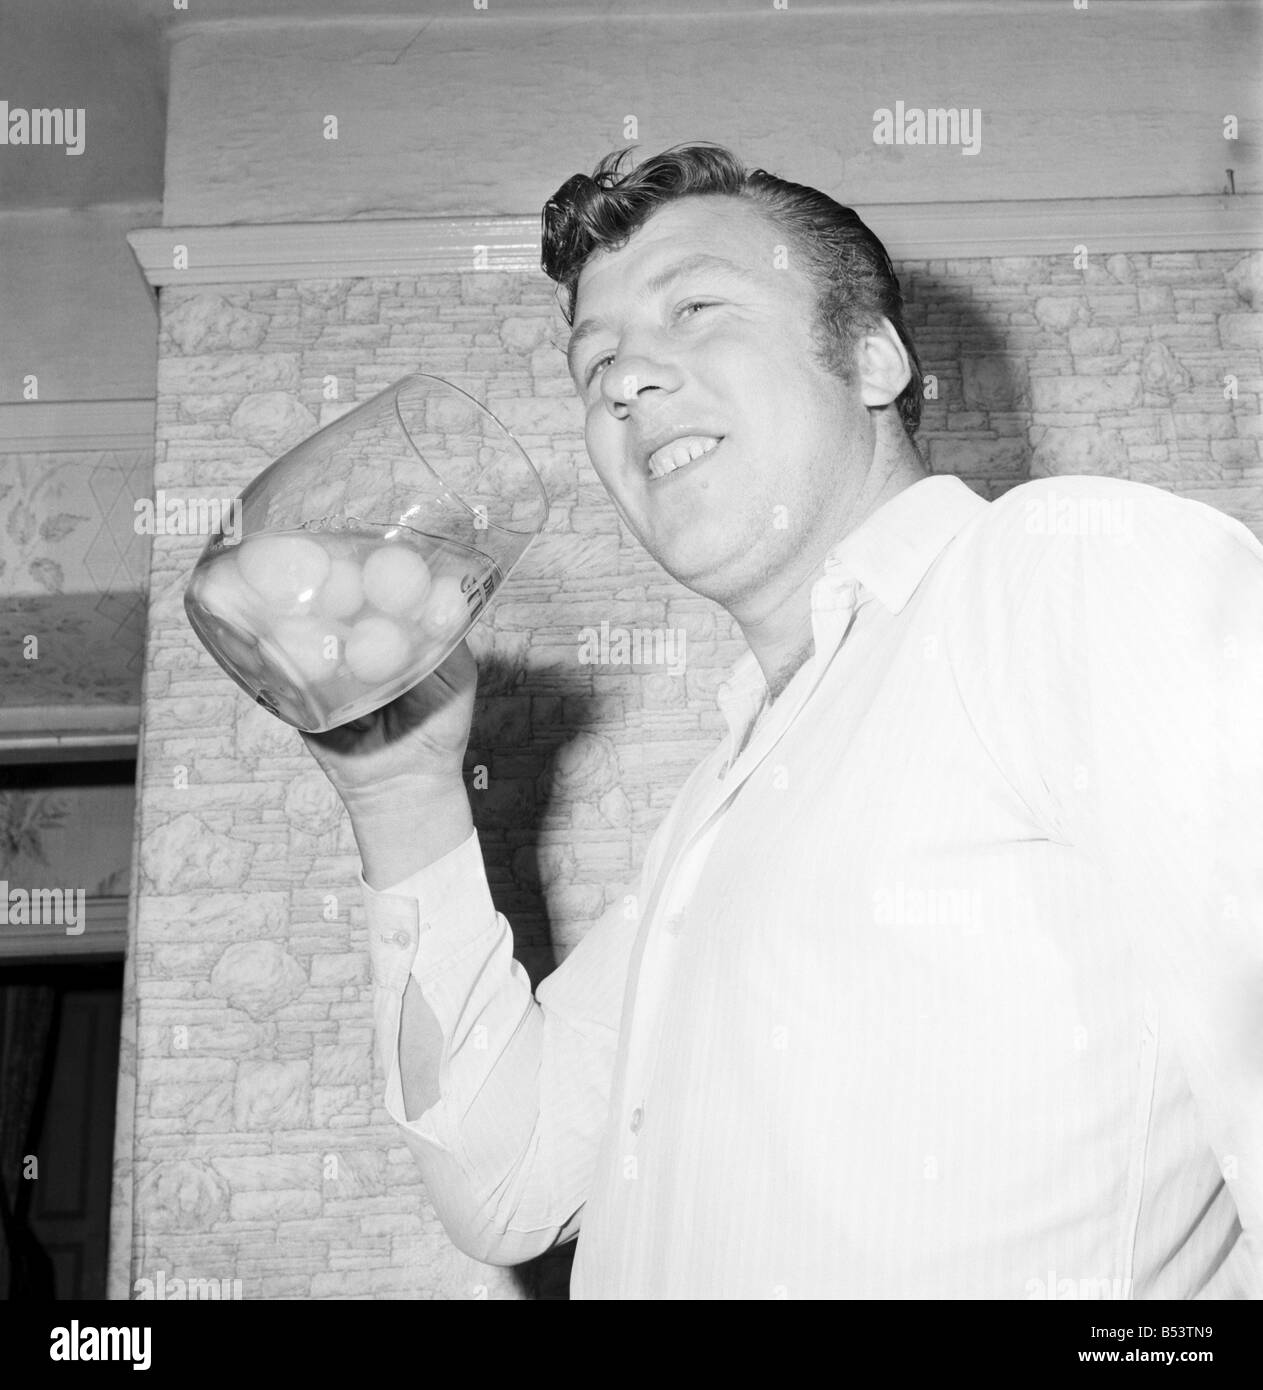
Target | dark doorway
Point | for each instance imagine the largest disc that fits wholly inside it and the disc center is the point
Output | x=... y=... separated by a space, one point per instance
x=59 y=1034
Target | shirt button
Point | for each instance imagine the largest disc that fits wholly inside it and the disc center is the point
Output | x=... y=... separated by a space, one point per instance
x=401 y=938
x=637 y=1119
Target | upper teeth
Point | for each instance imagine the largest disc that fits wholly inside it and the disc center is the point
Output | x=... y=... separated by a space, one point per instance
x=679 y=452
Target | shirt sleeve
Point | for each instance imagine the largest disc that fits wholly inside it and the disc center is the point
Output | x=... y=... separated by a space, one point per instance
x=509 y=1149
x=1143 y=654
x=1177 y=686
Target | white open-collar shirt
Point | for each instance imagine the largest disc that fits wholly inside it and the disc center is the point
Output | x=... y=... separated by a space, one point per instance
x=949 y=984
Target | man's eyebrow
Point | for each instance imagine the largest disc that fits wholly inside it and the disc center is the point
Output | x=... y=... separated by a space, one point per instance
x=701 y=260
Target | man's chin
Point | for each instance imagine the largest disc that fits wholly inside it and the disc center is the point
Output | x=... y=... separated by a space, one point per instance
x=688 y=562
x=695 y=553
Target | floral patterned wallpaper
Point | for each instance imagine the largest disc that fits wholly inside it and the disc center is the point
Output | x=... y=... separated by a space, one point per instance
x=73 y=572
x=78 y=837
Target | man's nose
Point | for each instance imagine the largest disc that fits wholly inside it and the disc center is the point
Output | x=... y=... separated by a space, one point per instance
x=637 y=377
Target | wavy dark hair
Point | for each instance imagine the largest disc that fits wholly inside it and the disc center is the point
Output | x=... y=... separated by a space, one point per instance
x=855 y=281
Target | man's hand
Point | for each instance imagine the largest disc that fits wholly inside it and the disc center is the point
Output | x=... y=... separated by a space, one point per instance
x=421 y=735
x=399 y=772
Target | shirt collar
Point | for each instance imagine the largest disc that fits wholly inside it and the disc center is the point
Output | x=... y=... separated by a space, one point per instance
x=891 y=551
x=885 y=557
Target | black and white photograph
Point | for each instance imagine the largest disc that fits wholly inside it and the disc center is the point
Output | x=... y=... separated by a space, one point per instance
x=631 y=664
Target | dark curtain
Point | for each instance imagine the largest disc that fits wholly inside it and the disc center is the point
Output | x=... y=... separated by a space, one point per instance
x=28 y=1033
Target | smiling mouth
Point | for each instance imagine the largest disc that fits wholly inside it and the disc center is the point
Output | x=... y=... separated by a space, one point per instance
x=677 y=455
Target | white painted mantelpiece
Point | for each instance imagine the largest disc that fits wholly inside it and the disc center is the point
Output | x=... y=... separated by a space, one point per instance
x=928 y=231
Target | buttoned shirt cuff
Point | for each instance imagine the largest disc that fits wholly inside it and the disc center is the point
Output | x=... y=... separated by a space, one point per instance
x=423 y=928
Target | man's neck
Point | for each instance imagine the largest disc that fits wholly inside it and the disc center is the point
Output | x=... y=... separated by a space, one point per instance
x=781 y=635
x=781 y=677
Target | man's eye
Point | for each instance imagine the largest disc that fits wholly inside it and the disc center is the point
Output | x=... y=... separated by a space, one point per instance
x=684 y=310
x=597 y=365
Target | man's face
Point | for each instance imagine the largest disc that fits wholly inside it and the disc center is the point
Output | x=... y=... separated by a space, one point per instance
x=701 y=329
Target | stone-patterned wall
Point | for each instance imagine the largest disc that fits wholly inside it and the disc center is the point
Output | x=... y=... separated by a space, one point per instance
x=1126 y=367
x=252 y=1066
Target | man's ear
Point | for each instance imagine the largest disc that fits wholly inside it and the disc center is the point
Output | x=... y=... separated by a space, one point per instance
x=881 y=364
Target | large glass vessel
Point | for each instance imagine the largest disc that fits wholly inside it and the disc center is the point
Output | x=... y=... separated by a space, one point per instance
x=359 y=559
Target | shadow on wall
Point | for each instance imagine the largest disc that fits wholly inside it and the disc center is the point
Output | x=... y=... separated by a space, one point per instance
x=517 y=734
x=976 y=419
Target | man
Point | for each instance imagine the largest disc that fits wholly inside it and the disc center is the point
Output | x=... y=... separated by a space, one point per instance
x=945 y=970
